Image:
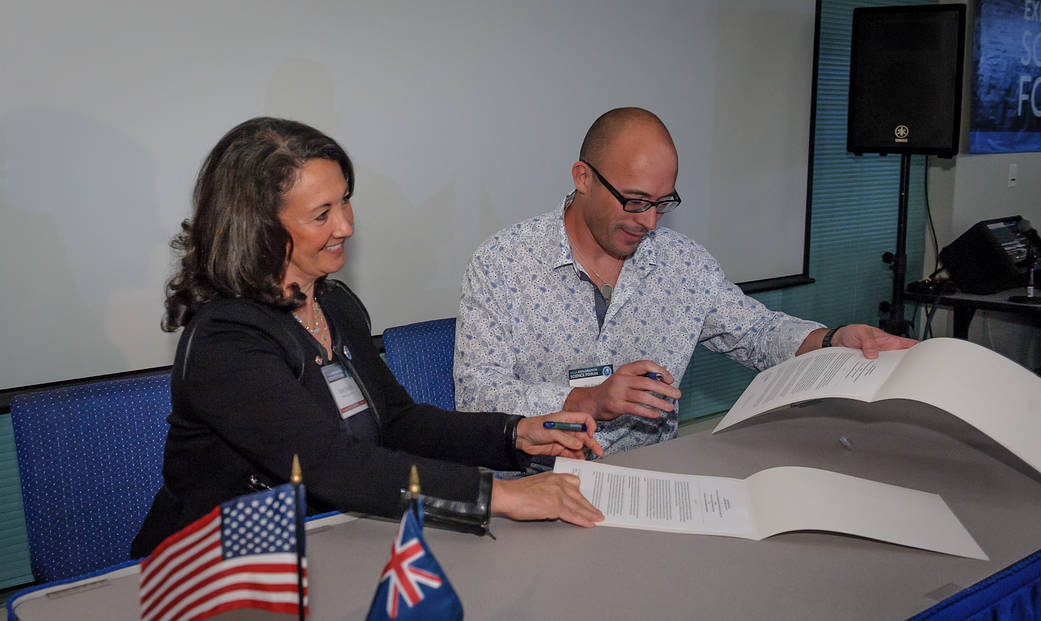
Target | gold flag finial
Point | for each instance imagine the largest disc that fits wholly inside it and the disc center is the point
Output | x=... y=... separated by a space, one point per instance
x=413 y=482
x=296 y=475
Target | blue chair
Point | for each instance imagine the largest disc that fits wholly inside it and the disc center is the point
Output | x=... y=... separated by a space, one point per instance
x=90 y=459
x=420 y=356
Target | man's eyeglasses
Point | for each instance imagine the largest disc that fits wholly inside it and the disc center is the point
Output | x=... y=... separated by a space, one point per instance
x=637 y=205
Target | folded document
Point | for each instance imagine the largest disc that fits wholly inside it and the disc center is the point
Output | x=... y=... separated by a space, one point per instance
x=975 y=384
x=772 y=501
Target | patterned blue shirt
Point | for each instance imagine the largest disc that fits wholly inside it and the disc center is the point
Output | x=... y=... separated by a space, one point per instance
x=526 y=317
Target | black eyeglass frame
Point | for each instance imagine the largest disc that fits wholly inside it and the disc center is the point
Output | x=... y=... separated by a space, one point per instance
x=660 y=207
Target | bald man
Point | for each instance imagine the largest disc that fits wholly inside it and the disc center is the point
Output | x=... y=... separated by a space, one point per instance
x=593 y=307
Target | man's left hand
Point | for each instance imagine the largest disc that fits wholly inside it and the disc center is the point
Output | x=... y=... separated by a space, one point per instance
x=868 y=339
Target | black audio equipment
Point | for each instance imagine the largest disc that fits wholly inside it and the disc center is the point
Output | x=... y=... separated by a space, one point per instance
x=992 y=255
x=905 y=79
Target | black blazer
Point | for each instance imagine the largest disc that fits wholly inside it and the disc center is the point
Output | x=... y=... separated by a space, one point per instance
x=248 y=393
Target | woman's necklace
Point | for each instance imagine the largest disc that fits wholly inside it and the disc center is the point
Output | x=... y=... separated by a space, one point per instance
x=318 y=327
x=606 y=289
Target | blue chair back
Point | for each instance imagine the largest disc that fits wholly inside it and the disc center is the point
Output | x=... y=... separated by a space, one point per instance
x=90 y=459
x=420 y=356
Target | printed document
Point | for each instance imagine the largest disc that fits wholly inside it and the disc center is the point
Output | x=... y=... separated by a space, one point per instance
x=772 y=501
x=983 y=388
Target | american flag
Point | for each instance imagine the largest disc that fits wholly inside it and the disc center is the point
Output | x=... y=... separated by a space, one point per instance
x=413 y=577
x=243 y=554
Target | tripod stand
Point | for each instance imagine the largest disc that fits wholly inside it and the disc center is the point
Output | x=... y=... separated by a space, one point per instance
x=895 y=322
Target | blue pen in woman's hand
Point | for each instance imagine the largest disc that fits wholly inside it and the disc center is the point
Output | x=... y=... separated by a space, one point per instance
x=550 y=424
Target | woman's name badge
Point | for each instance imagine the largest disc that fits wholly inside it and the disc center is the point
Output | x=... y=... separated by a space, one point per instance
x=348 y=397
x=589 y=376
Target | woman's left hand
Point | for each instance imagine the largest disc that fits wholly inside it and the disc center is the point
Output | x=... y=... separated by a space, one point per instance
x=534 y=439
x=545 y=496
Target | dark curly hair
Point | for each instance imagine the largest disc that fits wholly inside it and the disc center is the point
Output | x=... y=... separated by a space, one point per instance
x=234 y=244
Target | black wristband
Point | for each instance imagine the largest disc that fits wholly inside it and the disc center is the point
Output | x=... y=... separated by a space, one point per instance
x=826 y=341
x=510 y=432
x=519 y=458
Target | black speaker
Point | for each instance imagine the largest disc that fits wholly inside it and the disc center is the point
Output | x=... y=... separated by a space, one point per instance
x=905 y=79
x=992 y=255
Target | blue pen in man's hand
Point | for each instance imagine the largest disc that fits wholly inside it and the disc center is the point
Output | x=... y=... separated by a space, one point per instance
x=658 y=377
x=550 y=424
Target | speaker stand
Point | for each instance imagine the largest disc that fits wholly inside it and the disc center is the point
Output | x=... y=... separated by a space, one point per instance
x=895 y=322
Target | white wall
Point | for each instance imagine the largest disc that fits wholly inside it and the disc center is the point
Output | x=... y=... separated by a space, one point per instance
x=462 y=116
x=970 y=188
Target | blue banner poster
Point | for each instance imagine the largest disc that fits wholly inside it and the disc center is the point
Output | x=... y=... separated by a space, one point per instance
x=1006 y=88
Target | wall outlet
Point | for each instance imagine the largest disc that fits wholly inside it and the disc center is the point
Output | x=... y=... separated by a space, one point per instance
x=1013 y=172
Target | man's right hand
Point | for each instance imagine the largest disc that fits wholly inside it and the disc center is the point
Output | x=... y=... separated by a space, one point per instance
x=626 y=391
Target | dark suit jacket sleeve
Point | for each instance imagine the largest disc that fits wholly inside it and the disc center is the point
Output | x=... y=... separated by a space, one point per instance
x=473 y=438
x=238 y=384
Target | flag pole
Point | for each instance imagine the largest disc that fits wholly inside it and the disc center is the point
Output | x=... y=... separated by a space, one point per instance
x=413 y=489
x=296 y=477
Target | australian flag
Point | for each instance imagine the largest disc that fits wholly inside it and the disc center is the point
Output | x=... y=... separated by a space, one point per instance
x=412 y=585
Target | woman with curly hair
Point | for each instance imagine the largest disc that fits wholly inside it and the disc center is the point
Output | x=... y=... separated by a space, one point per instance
x=276 y=359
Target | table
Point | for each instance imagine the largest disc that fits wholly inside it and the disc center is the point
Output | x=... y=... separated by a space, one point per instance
x=557 y=571
x=964 y=305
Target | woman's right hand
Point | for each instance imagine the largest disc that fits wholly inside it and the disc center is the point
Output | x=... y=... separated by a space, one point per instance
x=546 y=496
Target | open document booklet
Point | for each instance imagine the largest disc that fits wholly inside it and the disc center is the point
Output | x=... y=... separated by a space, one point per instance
x=772 y=501
x=983 y=388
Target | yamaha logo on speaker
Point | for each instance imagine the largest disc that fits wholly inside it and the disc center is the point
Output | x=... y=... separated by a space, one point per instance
x=901 y=133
